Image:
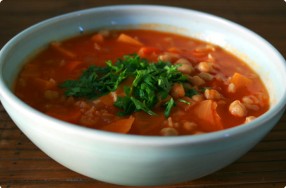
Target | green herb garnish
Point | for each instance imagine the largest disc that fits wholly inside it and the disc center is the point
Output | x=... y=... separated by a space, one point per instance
x=152 y=83
x=184 y=101
x=191 y=92
x=169 y=106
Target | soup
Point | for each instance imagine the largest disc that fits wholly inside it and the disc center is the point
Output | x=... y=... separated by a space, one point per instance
x=142 y=82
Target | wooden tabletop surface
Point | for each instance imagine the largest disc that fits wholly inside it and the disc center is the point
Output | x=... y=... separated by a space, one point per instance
x=22 y=164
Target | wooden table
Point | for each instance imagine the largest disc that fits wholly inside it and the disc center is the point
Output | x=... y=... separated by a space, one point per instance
x=22 y=164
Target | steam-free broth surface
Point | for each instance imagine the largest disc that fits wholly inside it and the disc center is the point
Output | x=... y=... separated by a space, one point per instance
x=142 y=82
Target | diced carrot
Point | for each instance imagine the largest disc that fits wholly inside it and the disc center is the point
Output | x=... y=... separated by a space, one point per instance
x=57 y=46
x=207 y=113
x=128 y=39
x=240 y=80
x=108 y=99
x=120 y=126
x=97 y=38
x=72 y=65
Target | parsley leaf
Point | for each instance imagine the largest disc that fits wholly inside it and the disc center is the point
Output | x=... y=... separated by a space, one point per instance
x=169 y=106
x=191 y=92
x=152 y=82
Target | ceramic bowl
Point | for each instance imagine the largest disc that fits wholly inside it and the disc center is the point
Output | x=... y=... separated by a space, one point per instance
x=141 y=160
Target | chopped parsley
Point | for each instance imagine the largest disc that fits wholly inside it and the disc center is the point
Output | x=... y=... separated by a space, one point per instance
x=169 y=106
x=191 y=92
x=151 y=84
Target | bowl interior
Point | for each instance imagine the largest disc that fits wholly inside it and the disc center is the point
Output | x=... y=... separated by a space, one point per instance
x=257 y=52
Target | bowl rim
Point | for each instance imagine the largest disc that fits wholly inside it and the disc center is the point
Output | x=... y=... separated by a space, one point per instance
x=7 y=94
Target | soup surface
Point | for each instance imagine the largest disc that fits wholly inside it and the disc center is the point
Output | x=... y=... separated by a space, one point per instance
x=142 y=82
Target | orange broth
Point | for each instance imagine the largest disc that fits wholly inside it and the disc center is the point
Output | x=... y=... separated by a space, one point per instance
x=229 y=92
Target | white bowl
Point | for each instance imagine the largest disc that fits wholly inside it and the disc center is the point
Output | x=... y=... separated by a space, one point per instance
x=140 y=160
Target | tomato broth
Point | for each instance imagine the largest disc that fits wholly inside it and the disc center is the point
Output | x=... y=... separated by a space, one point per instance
x=183 y=86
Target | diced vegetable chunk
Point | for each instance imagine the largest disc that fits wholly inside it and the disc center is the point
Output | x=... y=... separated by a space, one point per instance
x=206 y=111
x=240 y=81
x=128 y=39
x=120 y=126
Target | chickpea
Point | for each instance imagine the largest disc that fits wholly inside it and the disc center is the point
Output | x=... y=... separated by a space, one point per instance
x=168 y=57
x=251 y=106
x=231 y=88
x=206 y=76
x=211 y=58
x=250 y=102
x=204 y=66
x=169 y=131
x=186 y=67
x=250 y=99
x=212 y=94
x=177 y=91
x=198 y=98
x=236 y=108
x=182 y=61
x=190 y=126
x=249 y=119
x=196 y=80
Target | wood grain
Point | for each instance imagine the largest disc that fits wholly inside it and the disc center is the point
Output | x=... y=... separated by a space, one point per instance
x=22 y=164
